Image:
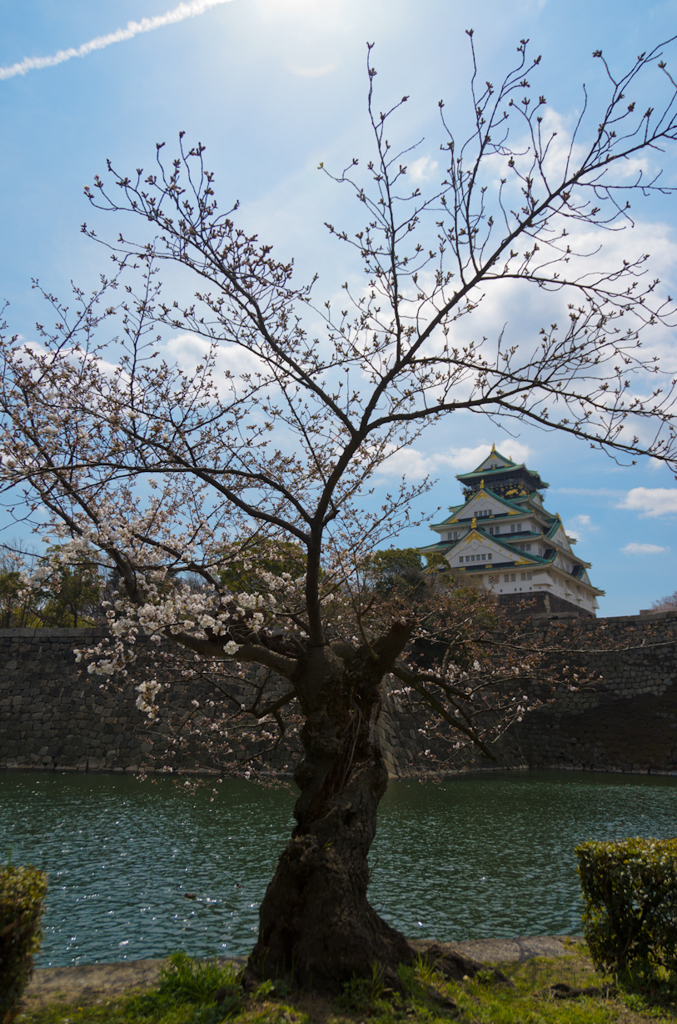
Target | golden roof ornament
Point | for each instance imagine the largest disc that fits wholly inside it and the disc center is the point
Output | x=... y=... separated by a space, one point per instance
x=493 y=447
x=482 y=484
x=473 y=525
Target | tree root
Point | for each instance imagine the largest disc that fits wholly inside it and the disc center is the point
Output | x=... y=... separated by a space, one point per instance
x=456 y=966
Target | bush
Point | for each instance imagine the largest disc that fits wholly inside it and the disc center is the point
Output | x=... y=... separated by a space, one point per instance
x=22 y=891
x=630 y=895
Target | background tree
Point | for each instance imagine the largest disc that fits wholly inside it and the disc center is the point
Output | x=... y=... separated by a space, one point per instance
x=261 y=554
x=168 y=474
x=16 y=604
x=43 y=591
x=665 y=604
x=396 y=571
x=71 y=593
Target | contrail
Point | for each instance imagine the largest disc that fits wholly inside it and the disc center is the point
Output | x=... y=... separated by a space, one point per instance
x=184 y=10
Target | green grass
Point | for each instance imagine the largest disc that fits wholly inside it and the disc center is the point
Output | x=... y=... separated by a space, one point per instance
x=188 y=992
x=198 y=992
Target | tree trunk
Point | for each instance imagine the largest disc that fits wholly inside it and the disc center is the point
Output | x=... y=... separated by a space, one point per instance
x=315 y=920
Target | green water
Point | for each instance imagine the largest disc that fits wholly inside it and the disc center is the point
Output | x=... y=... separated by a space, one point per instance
x=480 y=856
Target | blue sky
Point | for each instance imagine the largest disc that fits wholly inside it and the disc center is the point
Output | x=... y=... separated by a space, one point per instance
x=273 y=87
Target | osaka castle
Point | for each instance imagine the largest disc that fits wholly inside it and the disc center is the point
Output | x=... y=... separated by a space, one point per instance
x=503 y=539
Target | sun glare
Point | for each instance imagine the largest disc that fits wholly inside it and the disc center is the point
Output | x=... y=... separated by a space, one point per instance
x=297 y=6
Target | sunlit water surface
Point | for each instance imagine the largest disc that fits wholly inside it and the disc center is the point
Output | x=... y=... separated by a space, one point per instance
x=480 y=856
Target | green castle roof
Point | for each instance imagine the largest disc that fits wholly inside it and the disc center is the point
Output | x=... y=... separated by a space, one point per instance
x=508 y=502
x=508 y=466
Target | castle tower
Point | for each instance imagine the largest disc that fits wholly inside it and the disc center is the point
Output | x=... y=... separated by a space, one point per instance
x=504 y=540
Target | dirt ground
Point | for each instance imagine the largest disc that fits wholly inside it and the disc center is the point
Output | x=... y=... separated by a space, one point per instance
x=94 y=983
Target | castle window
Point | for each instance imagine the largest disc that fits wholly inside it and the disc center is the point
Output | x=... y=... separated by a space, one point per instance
x=509 y=577
x=525 y=575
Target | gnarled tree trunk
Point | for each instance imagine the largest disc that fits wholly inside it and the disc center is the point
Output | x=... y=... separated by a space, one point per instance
x=315 y=920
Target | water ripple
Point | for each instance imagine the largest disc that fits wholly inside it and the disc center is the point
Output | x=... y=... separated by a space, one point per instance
x=136 y=870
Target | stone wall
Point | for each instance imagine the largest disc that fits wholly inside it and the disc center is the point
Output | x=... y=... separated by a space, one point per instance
x=624 y=722
x=627 y=721
x=52 y=715
x=539 y=603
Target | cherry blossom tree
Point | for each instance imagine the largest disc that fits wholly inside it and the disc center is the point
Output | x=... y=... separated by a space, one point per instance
x=665 y=604
x=177 y=477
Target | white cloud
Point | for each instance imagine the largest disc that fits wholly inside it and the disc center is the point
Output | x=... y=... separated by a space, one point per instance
x=299 y=9
x=643 y=549
x=422 y=169
x=520 y=311
x=184 y=10
x=651 y=501
x=415 y=465
x=187 y=350
x=578 y=526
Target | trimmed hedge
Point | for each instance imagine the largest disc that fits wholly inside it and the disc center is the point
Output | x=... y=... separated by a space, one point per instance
x=630 y=896
x=22 y=892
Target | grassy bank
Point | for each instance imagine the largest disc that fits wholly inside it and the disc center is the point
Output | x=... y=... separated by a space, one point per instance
x=191 y=992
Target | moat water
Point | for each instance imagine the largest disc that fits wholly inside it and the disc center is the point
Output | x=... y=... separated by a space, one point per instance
x=489 y=855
